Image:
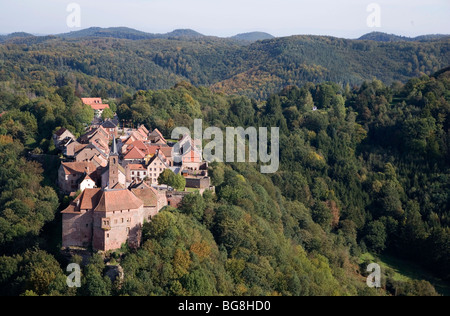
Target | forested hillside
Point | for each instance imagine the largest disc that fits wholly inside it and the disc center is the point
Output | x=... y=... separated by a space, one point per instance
x=367 y=172
x=103 y=58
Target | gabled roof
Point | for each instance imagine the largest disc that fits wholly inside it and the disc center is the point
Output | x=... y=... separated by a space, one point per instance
x=159 y=155
x=139 y=185
x=139 y=144
x=86 y=177
x=118 y=186
x=78 y=167
x=74 y=147
x=61 y=131
x=134 y=153
x=129 y=140
x=101 y=161
x=138 y=135
x=97 y=107
x=100 y=144
x=98 y=132
x=103 y=131
x=143 y=130
x=109 y=124
x=118 y=200
x=137 y=167
x=157 y=134
x=145 y=148
x=87 y=200
x=166 y=150
x=98 y=149
x=90 y=101
x=148 y=196
x=192 y=156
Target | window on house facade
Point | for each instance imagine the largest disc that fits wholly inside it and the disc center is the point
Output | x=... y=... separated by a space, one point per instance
x=128 y=230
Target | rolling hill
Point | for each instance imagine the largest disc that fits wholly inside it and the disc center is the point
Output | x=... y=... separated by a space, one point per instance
x=140 y=61
x=252 y=36
x=384 y=37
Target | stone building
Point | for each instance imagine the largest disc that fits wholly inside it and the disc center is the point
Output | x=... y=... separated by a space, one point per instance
x=107 y=219
x=71 y=174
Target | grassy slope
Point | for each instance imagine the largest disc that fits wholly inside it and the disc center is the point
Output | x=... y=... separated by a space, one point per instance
x=405 y=270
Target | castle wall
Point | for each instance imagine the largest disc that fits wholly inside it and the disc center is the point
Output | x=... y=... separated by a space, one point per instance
x=77 y=229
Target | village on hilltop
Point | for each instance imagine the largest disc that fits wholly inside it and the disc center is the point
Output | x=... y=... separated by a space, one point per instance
x=115 y=170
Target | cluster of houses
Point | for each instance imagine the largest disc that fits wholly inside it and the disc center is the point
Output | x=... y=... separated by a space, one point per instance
x=115 y=173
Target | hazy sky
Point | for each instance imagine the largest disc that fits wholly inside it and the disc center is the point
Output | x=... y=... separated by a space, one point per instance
x=347 y=18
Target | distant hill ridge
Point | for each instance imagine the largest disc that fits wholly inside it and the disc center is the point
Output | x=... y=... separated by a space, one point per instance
x=384 y=37
x=243 y=65
x=253 y=36
x=133 y=34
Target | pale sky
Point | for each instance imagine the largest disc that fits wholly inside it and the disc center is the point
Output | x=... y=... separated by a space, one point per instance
x=347 y=18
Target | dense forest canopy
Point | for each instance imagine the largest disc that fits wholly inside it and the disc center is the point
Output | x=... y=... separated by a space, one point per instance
x=106 y=58
x=367 y=172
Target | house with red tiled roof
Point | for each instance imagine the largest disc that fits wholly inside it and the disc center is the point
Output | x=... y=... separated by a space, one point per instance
x=70 y=175
x=127 y=142
x=136 y=172
x=143 y=131
x=99 y=161
x=135 y=155
x=87 y=182
x=90 y=101
x=145 y=148
x=88 y=152
x=111 y=127
x=156 y=137
x=167 y=152
x=95 y=134
x=156 y=166
x=189 y=154
x=96 y=104
x=72 y=148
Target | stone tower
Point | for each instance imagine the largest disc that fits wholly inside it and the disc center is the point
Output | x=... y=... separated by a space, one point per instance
x=113 y=165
